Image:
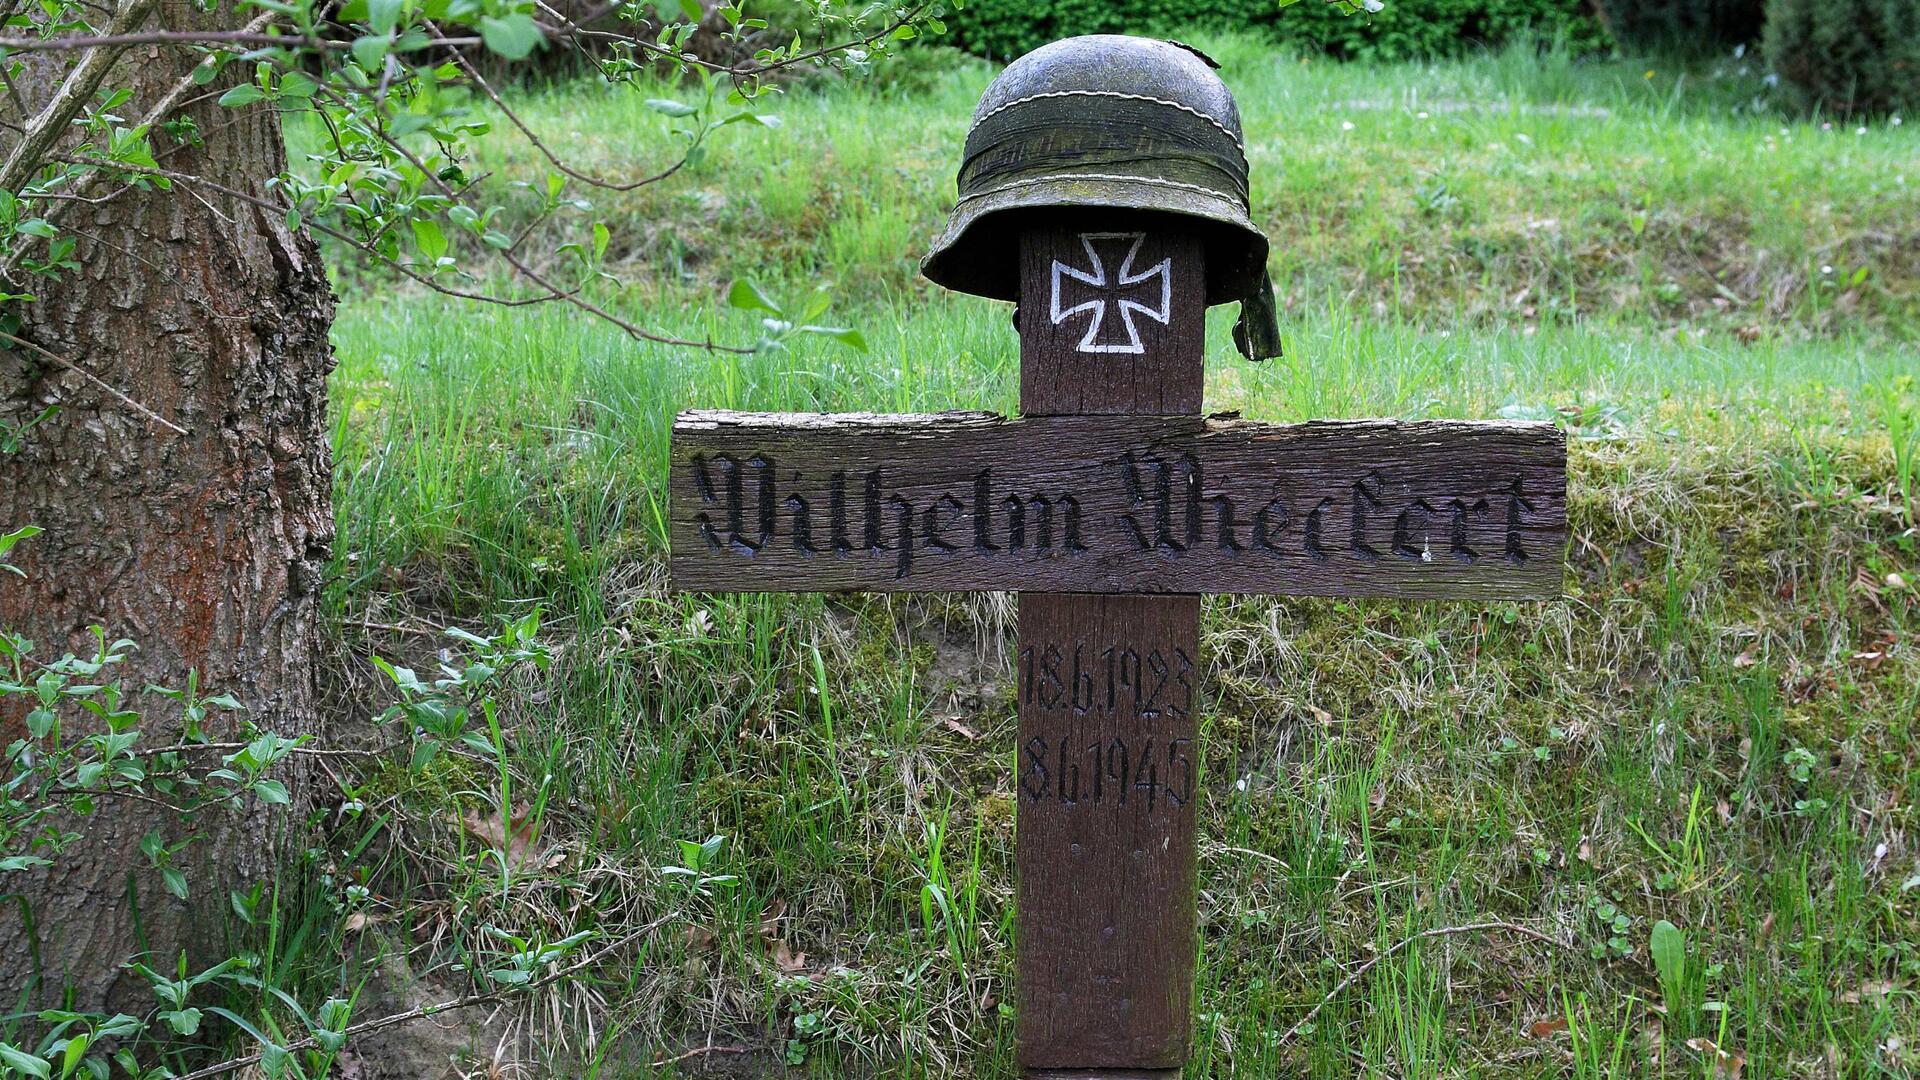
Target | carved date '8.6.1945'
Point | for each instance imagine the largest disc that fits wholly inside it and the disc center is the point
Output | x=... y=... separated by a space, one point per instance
x=954 y=501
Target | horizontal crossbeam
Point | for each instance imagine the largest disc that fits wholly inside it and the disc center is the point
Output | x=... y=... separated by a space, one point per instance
x=802 y=502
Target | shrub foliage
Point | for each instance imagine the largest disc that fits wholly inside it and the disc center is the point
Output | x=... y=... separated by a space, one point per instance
x=1002 y=29
x=1847 y=56
x=1682 y=24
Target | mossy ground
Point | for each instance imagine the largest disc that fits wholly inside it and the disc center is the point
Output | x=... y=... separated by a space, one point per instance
x=1714 y=727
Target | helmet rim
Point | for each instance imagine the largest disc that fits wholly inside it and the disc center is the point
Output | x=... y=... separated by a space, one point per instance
x=979 y=250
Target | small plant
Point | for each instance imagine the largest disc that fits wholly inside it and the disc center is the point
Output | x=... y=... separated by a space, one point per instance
x=697 y=862
x=441 y=711
x=1613 y=927
x=1685 y=859
x=1680 y=982
x=1436 y=199
x=1799 y=763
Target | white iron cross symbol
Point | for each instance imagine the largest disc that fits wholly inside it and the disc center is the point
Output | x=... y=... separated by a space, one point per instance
x=1120 y=288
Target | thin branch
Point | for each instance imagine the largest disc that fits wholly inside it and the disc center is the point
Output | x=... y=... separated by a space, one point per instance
x=574 y=28
x=97 y=381
x=117 y=40
x=534 y=276
x=700 y=1051
x=552 y=158
x=75 y=91
x=120 y=37
x=1444 y=931
x=305 y=751
x=20 y=104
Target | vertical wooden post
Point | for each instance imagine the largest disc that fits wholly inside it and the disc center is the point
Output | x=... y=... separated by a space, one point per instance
x=1107 y=766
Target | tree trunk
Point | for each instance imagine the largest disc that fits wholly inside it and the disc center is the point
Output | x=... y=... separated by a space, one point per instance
x=206 y=548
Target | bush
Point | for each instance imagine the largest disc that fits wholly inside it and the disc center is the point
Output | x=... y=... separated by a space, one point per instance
x=1415 y=29
x=1847 y=56
x=1003 y=29
x=1687 y=25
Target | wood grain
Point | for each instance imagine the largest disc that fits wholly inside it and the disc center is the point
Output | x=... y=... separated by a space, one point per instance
x=956 y=501
x=1104 y=874
x=1164 y=377
x=1106 y=778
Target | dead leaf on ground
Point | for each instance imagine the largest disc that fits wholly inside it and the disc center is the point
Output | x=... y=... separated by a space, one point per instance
x=784 y=958
x=360 y=920
x=770 y=918
x=1726 y=1063
x=698 y=940
x=1871 y=989
x=1748 y=657
x=513 y=835
x=1547 y=1029
x=1320 y=715
x=953 y=724
x=788 y=961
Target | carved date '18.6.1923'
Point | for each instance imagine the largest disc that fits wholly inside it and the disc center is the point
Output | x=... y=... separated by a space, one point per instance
x=956 y=501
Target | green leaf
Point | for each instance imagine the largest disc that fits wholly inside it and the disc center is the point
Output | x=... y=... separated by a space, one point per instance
x=671 y=107
x=272 y=791
x=600 y=238
x=368 y=51
x=383 y=15
x=1669 y=948
x=432 y=242
x=298 y=84
x=22 y=862
x=244 y=94
x=747 y=296
x=22 y=1062
x=512 y=36
x=184 y=1021
x=76 y=1049
x=7 y=540
x=175 y=881
x=847 y=336
x=691 y=9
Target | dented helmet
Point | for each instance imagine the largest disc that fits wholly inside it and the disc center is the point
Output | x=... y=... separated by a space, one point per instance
x=1108 y=121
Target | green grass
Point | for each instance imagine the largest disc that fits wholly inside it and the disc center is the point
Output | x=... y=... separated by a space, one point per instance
x=1638 y=255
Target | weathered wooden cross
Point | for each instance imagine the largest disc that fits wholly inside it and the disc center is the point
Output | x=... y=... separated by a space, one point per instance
x=1110 y=505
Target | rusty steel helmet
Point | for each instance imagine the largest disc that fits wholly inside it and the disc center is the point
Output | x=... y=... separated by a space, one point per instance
x=1109 y=121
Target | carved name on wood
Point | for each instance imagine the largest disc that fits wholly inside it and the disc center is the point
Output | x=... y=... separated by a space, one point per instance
x=958 y=501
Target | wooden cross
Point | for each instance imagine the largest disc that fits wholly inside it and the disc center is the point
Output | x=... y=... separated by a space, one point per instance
x=1111 y=504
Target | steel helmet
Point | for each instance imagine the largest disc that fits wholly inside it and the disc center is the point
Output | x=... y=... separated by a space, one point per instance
x=1108 y=121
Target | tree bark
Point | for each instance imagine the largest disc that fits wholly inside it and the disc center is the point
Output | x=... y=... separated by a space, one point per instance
x=206 y=548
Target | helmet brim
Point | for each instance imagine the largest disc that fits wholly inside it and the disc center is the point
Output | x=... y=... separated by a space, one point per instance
x=979 y=252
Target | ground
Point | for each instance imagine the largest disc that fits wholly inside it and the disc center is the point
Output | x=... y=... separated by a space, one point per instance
x=1713 y=729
